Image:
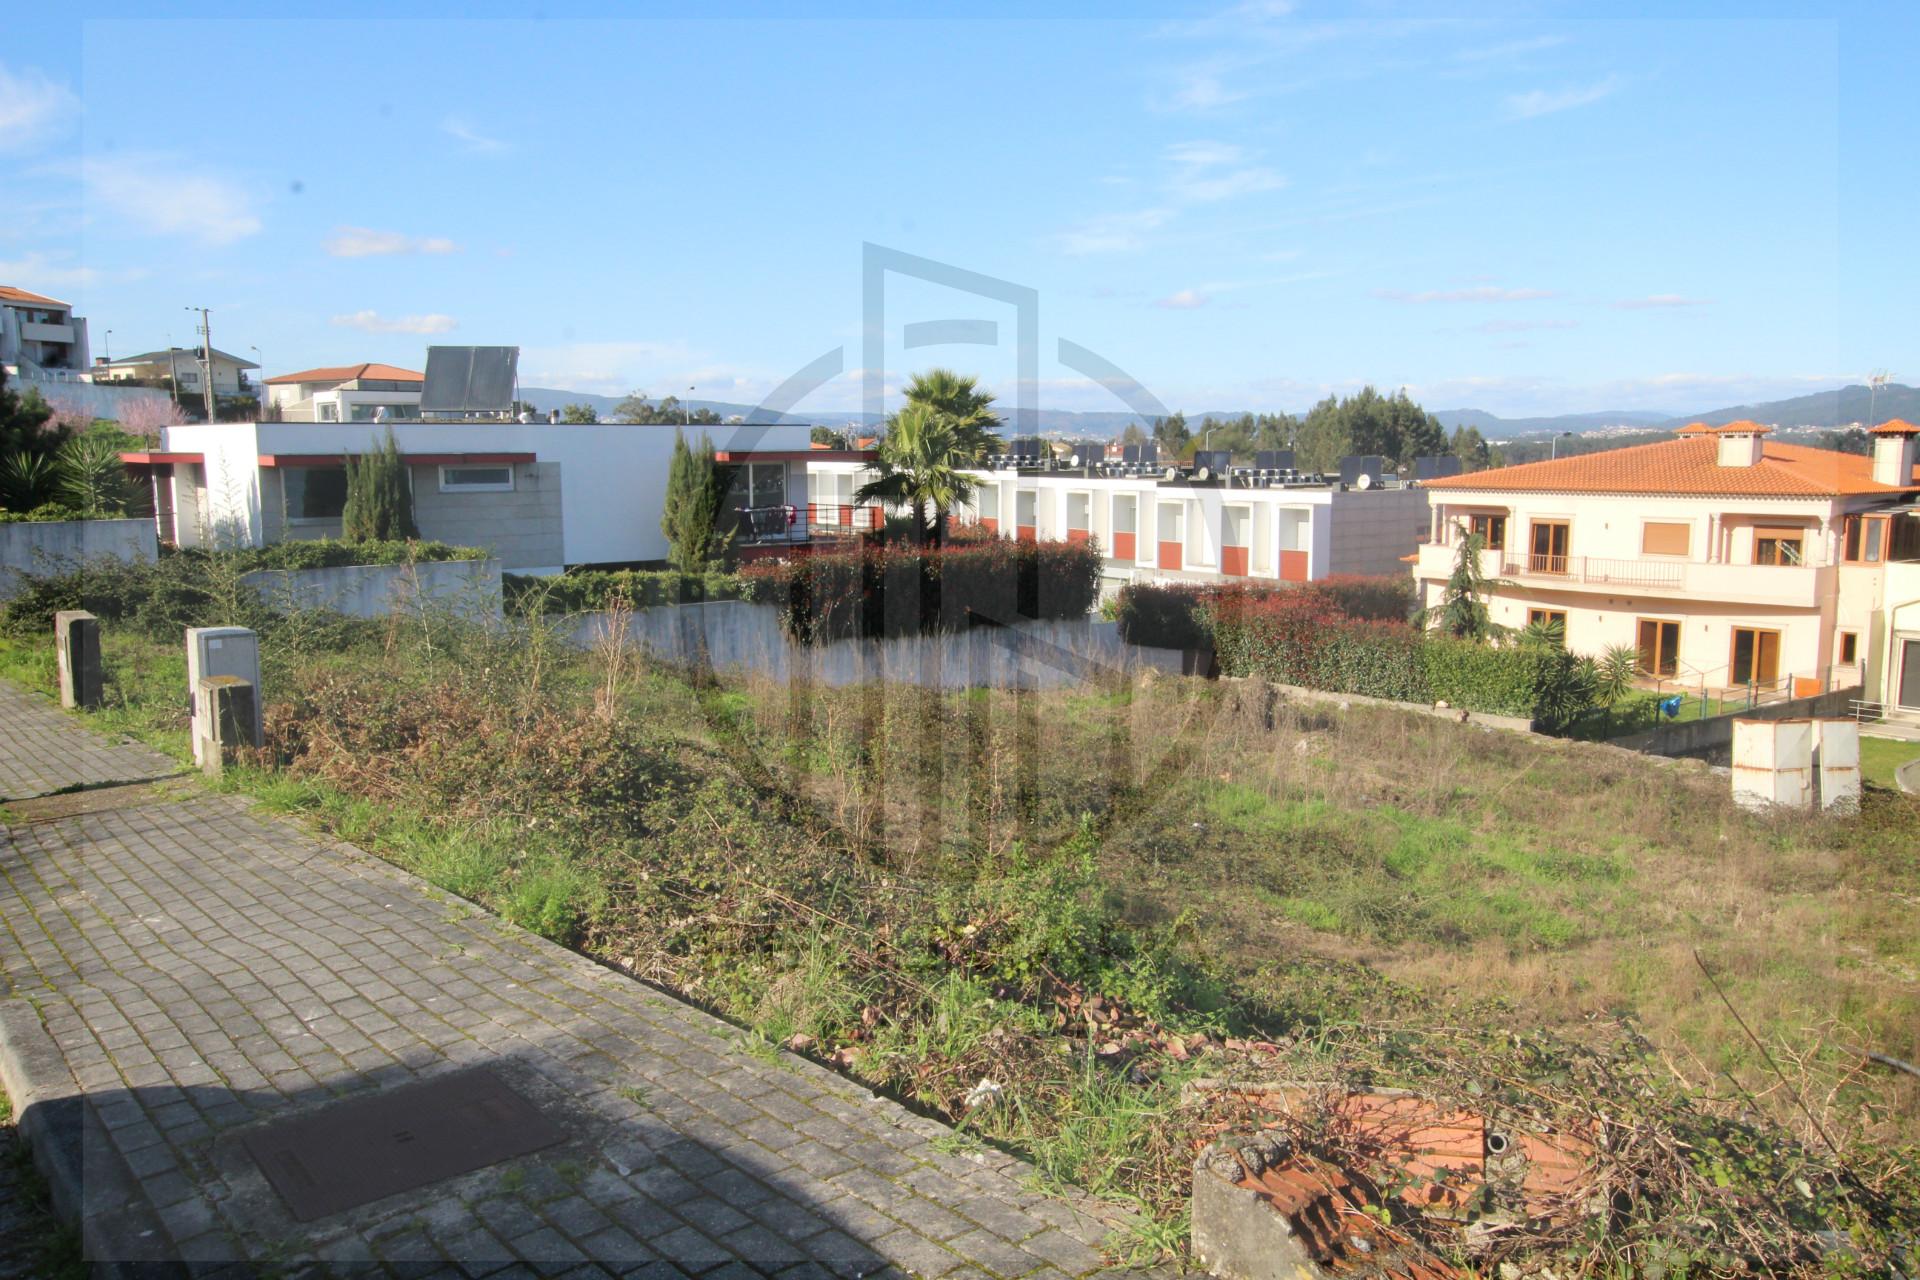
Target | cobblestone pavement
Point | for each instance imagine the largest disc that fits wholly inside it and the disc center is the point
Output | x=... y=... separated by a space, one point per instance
x=42 y=750
x=203 y=970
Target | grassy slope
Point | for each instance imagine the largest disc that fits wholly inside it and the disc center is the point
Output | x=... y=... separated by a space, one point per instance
x=1330 y=868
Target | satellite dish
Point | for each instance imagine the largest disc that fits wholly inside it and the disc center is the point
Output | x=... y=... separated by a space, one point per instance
x=1073 y=460
x=1203 y=474
x=1364 y=482
x=1171 y=473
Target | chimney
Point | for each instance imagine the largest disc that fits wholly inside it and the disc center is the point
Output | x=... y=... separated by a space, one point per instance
x=1893 y=453
x=1740 y=443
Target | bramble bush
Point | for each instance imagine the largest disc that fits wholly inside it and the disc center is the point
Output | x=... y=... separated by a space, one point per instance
x=894 y=590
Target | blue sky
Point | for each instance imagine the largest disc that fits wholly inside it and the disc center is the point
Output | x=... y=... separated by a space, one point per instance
x=1562 y=209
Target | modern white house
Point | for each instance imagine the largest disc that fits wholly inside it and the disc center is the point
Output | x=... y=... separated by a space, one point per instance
x=40 y=337
x=1187 y=524
x=1727 y=560
x=345 y=393
x=542 y=497
x=182 y=365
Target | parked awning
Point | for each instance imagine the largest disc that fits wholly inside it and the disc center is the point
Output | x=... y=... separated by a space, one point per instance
x=156 y=459
x=411 y=459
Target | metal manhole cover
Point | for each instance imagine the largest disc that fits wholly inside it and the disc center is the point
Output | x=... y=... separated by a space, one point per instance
x=356 y=1152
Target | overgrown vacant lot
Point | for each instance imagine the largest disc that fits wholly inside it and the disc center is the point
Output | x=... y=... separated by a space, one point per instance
x=1096 y=899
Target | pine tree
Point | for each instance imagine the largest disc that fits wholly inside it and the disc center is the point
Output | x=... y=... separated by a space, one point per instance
x=691 y=516
x=379 y=506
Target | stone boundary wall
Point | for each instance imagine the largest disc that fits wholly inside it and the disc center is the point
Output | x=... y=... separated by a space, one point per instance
x=470 y=588
x=1514 y=724
x=57 y=546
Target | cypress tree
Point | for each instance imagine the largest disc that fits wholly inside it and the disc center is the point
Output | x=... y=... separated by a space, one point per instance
x=690 y=518
x=379 y=506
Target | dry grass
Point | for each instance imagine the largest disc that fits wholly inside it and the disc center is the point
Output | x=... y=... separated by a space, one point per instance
x=1559 y=881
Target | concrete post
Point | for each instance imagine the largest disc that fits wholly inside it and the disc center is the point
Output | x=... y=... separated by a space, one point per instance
x=1236 y=1232
x=221 y=651
x=76 y=640
x=226 y=715
x=1773 y=764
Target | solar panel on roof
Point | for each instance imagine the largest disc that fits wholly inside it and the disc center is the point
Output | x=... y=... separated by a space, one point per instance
x=469 y=379
x=1433 y=468
x=1273 y=459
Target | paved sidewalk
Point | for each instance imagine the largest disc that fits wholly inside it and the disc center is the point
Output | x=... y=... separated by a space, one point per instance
x=203 y=970
x=43 y=751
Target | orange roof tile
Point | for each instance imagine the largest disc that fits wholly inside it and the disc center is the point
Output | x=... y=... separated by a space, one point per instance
x=10 y=294
x=350 y=372
x=1694 y=429
x=1895 y=427
x=1688 y=466
x=1743 y=427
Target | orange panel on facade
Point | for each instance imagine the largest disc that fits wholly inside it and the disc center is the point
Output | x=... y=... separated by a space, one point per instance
x=1293 y=566
x=1077 y=535
x=1123 y=546
x=1169 y=555
x=1233 y=561
x=989 y=524
x=1028 y=533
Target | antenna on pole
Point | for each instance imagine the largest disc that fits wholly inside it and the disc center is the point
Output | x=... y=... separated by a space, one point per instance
x=205 y=330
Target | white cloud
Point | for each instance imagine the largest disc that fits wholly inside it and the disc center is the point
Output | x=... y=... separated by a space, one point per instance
x=364 y=242
x=1542 y=102
x=374 y=322
x=157 y=194
x=39 y=271
x=1473 y=293
x=33 y=109
x=1204 y=172
x=1184 y=300
x=1524 y=326
x=1114 y=233
x=1202 y=91
x=458 y=128
x=1654 y=301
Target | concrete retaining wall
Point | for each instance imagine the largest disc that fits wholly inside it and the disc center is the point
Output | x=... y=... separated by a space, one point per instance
x=59 y=546
x=470 y=588
x=1516 y=724
x=1693 y=737
x=747 y=637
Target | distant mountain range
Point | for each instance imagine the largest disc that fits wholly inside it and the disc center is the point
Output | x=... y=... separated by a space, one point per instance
x=1822 y=410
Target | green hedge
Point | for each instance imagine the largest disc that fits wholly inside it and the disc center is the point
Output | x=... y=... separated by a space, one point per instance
x=46 y=513
x=1301 y=638
x=334 y=553
x=904 y=590
x=590 y=589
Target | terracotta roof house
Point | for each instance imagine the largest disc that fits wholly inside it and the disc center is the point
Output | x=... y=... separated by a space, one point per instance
x=40 y=336
x=365 y=392
x=1725 y=559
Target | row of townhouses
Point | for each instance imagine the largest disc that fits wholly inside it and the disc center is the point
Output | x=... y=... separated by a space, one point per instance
x=1726 y=560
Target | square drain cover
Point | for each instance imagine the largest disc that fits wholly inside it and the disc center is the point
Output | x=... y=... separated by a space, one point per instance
x=356 y=1152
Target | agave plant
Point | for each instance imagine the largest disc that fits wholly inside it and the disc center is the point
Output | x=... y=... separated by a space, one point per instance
x=1615 y=673
x=91 y=477
x=27 y=480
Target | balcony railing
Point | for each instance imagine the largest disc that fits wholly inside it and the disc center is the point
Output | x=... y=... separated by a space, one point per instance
x=1601 y=572
x=789 y=524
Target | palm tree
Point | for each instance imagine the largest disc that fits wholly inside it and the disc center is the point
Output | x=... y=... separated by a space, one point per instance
x=967 y=408
x=918 y=466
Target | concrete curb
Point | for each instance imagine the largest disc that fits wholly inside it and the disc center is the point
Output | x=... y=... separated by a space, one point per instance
x=88 y=1181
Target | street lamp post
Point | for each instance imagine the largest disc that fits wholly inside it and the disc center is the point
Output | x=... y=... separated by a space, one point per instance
x=1554 y=450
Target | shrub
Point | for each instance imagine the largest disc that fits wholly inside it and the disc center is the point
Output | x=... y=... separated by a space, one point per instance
x=1175 y=616
x=379 y=503
x=1164 y=616
x=1301 y=637
x=331 y=553
x=899 y=590
x=1388 y=598
x=45 y=513
x=588 y=589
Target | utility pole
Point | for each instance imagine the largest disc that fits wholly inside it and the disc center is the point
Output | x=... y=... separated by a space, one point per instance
x=205 y=330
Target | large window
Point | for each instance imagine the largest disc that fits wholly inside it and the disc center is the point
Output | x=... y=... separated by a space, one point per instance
x=1665 y=538
x=315 y=493
x=1779 y=546
x=1491 y=528
x=476 y=479
x=1864 y=540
